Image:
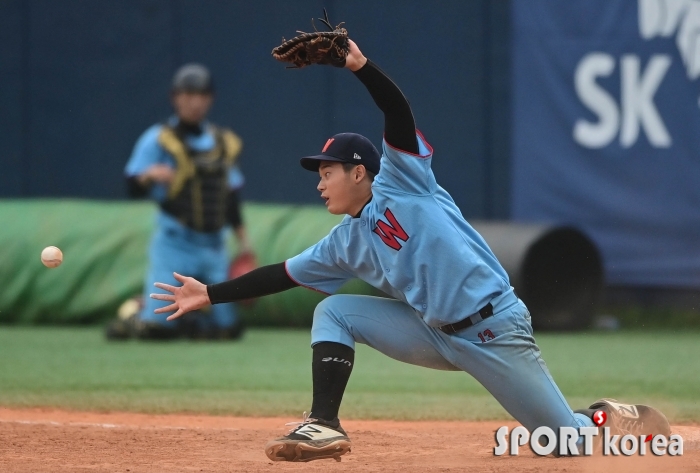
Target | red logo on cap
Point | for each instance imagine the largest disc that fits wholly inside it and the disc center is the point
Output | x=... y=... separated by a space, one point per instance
x=328 y=143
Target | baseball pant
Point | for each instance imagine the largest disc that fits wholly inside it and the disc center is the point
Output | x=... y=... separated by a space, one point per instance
x=499 y=352
x=178 y=249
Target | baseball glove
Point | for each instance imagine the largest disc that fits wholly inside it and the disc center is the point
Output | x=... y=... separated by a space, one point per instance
x=320 y=47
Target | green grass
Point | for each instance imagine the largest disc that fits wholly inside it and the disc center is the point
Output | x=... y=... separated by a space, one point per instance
x=269 y=373
x=656 y=318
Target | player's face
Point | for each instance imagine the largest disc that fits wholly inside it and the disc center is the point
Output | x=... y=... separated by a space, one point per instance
x=337 y=188
x=192 y=107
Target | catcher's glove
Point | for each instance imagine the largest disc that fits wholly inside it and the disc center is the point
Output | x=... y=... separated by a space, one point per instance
x=320 y=47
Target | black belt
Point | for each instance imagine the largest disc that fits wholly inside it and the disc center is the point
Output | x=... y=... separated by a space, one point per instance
x=484 y=313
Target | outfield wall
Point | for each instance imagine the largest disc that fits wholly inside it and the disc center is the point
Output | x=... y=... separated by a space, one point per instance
x=82 y=79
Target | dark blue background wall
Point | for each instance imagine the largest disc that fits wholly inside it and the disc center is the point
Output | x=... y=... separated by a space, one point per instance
x=82 y=79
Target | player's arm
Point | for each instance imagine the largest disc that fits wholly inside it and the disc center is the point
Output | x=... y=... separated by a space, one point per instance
x=161 y=173
x=145 y=166
x=139 y=186
x=315 y=268
x=193 y=295
x=399 y=124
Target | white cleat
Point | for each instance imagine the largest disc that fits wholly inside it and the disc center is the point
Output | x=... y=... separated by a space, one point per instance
x=311 y=439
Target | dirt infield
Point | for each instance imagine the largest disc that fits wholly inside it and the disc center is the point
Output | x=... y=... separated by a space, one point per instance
x=41 y=440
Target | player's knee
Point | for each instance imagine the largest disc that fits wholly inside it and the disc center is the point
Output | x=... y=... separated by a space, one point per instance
x=330 y=322
x=329 y=309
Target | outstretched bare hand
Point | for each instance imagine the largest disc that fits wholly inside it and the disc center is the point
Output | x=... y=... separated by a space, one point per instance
x=355 y=59
x=192 y=295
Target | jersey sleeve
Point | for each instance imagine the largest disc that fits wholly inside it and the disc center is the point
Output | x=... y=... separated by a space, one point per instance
x=235 y=178
x=317 y=267
x=146 y=153
x=407 y=172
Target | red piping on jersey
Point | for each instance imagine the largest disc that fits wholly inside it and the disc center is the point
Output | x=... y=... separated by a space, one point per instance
x=427 y=145
x=303 y=285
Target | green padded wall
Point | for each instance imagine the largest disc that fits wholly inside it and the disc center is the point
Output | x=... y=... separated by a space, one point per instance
x=105 y=257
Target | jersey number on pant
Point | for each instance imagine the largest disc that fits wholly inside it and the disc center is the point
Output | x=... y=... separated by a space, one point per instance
x=486 y=335
x=391 y=231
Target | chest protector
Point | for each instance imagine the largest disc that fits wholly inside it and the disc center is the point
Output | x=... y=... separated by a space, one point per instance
x=197 y=195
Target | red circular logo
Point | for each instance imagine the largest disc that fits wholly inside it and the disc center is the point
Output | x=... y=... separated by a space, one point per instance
x=599 y=418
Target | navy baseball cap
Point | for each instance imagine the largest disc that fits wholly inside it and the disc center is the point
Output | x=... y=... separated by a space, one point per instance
x=193 y=78
x=346 y=148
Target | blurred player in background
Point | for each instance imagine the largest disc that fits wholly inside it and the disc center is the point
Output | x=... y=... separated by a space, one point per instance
x=188 y=165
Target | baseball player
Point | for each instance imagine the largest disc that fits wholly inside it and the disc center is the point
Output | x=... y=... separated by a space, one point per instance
x=452 y=308
x=188 y=165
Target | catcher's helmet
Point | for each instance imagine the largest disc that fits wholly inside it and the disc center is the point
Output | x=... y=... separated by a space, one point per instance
x=193 y=78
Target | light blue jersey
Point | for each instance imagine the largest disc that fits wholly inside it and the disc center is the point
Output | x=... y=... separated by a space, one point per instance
x=148 y=152
x=411 y=242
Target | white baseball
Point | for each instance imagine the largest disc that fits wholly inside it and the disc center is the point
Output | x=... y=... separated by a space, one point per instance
x=51 y=256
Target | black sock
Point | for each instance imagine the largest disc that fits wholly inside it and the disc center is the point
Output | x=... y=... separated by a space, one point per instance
x=331 y=368
x=586 y=412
